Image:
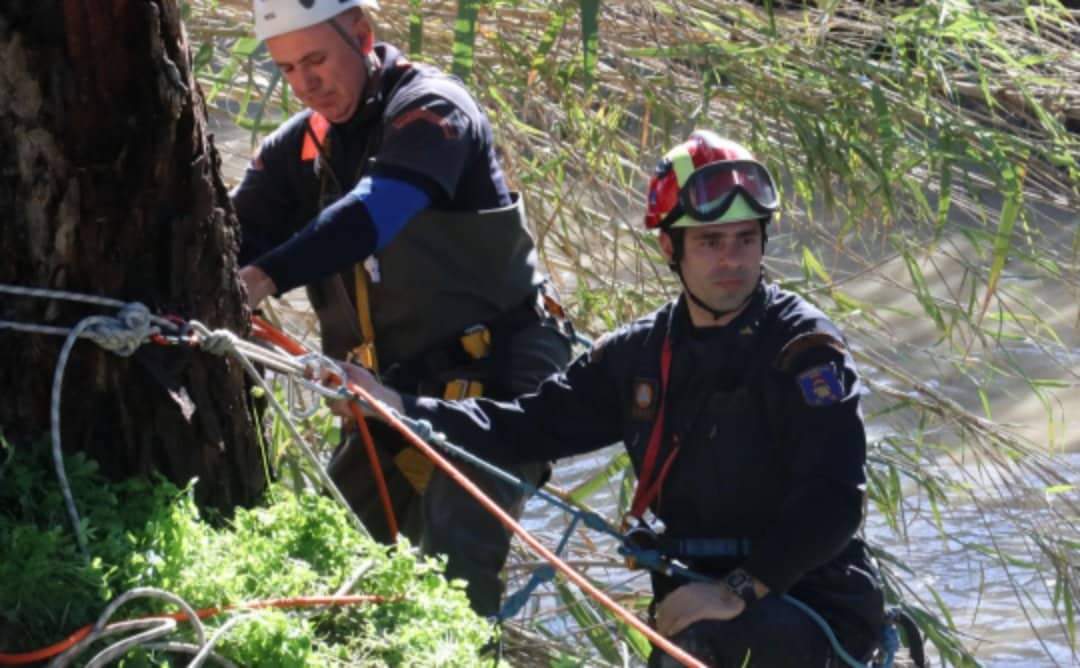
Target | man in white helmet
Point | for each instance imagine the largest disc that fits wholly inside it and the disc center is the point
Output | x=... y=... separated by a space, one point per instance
x=385 y=198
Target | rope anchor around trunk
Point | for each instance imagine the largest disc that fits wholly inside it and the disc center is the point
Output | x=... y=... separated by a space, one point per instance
x=134 y=326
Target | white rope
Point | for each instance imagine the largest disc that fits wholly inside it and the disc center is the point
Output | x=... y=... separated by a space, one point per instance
x=122 y=335
x=201 y=657
x=223 y=342
x=43 y=293
x=34 y=329
x=101 y=630
x=187 y=648
x=130 y=329
x=156 y=628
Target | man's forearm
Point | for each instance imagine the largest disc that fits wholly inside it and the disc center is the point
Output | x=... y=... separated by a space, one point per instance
x=816 y=522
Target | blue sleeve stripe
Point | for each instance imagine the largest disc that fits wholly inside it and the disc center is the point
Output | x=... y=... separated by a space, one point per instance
x=390 y=203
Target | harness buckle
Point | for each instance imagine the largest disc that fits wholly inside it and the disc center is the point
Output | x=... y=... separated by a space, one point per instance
x=461 y=388
x=364 y=355
x=476 y=341
x=638 y=537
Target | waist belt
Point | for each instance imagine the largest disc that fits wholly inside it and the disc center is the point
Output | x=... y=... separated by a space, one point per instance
x=642 y=548
x=468 y=348
x=704 y=548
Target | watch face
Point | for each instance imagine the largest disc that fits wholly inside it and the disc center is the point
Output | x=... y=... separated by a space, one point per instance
x=740 y=583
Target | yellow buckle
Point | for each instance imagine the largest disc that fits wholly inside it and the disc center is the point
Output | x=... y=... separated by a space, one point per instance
x=463 y=389
x=416 y=468
x=476 y=341
x=364 y=355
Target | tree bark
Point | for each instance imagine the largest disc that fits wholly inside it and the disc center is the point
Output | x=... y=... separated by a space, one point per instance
x=110 y=185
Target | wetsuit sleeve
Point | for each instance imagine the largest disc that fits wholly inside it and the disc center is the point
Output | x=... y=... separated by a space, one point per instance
x=365 y=220
x=427 y=142
x=825 y=449
x=571 y=413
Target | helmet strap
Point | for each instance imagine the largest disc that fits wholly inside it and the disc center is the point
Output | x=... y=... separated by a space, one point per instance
x=716 y=314
x=678 y=247
x=367 y=55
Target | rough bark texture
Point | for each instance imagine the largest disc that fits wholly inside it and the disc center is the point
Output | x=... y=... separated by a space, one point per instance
x=109 y=185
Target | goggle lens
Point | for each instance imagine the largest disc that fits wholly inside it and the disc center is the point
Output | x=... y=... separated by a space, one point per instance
x=709 y=190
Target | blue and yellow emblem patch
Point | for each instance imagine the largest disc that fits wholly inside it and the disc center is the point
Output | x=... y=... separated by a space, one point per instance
x=821 y=386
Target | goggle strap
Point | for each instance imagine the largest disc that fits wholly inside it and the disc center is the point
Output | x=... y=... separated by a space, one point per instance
x=674 y=216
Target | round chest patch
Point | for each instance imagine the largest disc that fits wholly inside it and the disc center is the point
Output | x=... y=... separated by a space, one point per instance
x=643 y=395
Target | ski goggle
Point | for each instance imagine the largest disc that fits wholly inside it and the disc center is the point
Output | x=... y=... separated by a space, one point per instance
x=710 y=191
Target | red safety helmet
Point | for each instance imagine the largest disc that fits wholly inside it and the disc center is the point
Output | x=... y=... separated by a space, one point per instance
x=708 y=180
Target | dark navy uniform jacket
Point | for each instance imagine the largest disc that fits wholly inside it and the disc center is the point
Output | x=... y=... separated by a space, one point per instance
x=766 y=410
x=438 y=140
x=412 y=188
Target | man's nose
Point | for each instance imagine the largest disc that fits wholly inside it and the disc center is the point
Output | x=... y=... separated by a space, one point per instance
x=728 y=252
x=310 y=80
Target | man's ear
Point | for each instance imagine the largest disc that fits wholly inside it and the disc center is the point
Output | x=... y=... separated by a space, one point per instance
x=358 y=25
x=667 y=246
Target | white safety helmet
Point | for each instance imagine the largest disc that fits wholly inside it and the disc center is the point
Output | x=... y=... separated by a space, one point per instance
x=277 y=17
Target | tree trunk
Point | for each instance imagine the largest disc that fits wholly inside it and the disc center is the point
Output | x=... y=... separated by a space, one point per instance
x=110 y=186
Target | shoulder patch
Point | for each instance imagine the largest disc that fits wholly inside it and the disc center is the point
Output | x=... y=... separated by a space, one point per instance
x=425 y=115
x=800 y=344
x=820 y=385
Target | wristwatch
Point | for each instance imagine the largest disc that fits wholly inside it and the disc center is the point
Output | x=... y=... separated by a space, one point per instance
x=740 y=582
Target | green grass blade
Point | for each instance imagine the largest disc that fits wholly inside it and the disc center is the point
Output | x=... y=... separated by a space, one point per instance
x=416 y=28
x=590 y=37
x=601 y=479
x=465 y=38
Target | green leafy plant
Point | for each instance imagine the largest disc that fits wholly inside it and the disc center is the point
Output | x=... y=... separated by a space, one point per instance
x=150 y=534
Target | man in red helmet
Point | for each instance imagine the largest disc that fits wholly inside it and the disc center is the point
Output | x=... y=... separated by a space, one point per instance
x=738 y=403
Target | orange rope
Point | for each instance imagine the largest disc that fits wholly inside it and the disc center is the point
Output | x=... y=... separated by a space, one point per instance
x=267 y=332
x=295 y=602
x=373 y=457
x=663 y=643
x=264 y=330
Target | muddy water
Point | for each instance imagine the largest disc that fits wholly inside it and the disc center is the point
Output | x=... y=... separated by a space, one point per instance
x=976 y=589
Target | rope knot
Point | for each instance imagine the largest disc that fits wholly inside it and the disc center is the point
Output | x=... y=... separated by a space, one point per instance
x=125 y=333
x=219 y=342
x=422 y=428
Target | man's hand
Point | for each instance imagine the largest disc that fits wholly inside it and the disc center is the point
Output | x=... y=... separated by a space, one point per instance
x=365 y=380
x=694 y=602
x=258 y=284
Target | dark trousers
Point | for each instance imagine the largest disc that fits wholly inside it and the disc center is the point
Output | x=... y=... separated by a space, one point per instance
x=772 y=633
x=446 y=519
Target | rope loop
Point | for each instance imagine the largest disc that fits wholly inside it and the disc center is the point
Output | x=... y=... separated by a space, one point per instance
x=220 y=342
x=317 y=367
